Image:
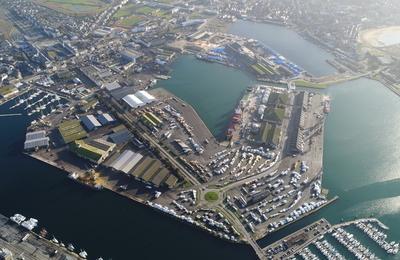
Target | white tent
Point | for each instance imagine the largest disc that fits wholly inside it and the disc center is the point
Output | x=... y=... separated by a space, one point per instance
x=133 y=101
x=145 y=96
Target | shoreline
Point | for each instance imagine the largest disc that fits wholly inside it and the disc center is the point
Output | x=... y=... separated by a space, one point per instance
x=132 y=198
x=146 y=204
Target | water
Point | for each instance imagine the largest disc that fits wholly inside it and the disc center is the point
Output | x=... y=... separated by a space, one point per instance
x=360 y=152
x=213 y=90
x=102 y=223
x=359 y=165
x=288 y=43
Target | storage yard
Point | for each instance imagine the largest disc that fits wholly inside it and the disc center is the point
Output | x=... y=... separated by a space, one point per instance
x=152 y=147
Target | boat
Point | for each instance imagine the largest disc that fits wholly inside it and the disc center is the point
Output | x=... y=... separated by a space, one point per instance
x=98 y=187
x=83 y=254
x=71 y=247
x=43 y=232
x=30 y=224
x=73 y=176
x=18 y=218
x=123 y=187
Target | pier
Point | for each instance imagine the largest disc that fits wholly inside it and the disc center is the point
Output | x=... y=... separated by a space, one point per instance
x=9 y=115
x=314 y=234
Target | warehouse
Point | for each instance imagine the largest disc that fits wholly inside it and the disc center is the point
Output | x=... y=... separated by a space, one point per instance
x=133 y=101
x=35 y=135
x=184 y=148
x=93 y=150
x=35 y=140
x=160 y=177
x=120 y=137
x=90 y=122
x=145 y=97
x=112 y=86
x=71 y=131
x=105 y=119
x=126 y=161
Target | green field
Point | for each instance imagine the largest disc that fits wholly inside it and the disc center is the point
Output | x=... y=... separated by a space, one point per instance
x=74 y=7
x=126 y=10
x=309 y=84
x=274 y=115
x=130 y=21
x=211 y=196
x=145 y=10
x=269 y=134
x=132 y=14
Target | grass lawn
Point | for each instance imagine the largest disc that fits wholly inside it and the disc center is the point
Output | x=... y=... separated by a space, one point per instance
x=126 y=10
x=144 y=10
x=211 y=196
x=309 y=84
x=74 y=7
x=130 y=21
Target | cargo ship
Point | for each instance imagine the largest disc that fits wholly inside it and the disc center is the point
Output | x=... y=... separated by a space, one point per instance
x=236 y=119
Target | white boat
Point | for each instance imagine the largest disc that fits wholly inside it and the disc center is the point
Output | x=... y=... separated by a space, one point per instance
x=18 y=218
x=71 y=247
x=30 y=224
x=83 y=254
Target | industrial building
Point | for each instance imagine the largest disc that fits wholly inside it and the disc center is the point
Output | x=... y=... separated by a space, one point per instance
x=184 y=148
x=71 y=130
x=90 y=122
x=140 y=98
x=120 y=137
x=105 y=119
x=93 y=150
x=35 y=140
x=133 y=101
x=131 y=55
x=8 y=91
x=112 y=86
x=126 y=161
x=145 y=97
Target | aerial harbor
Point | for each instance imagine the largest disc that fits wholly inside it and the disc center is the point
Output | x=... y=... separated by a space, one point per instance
x=255 y=129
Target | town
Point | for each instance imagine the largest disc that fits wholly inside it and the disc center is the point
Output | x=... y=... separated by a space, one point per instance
x=86 y=75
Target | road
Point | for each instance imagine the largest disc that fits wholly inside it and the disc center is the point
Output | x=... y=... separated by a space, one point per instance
x=242 y=230
x=183 y=171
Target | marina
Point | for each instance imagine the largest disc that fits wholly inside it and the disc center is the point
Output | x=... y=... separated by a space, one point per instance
x=300 y=243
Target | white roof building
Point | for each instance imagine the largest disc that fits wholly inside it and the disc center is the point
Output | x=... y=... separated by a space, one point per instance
x=90 y=122
x=105 y=119
x=133 y=101
x=126 y=161
x=36 y=140
x=145 y=96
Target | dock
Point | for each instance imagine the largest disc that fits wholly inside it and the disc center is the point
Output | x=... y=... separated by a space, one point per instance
x=10 y=115
x=24 y=244
x=348 y=223
x=290 y=245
